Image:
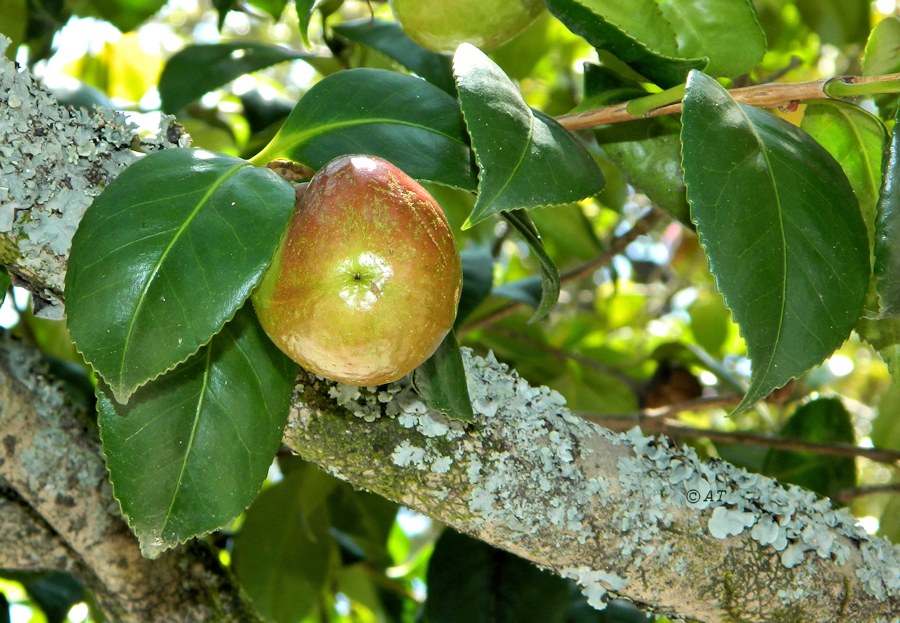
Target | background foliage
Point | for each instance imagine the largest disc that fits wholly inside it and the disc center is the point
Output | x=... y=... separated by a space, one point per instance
x=640 y=323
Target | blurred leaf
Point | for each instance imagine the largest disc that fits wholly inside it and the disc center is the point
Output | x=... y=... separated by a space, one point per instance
x=283 y=552
x=441 y=381
x=590 y=390
x=79 y=94
x=478 y=278
x=471 y=582
x=191 y=450
x=567 y=232
x=15 y=18
x=881 y=49
x=55 y=593
x=727 y=32
x=362 y=521
x=616 y=611
x=889 y=522
x=886 y=427
x=389 y=39
x=838 y=22
x=275 y=8
x=526 y=159
x=165 y=256
x=635 y=32
x=887 y=231
x=884 y=336
x=305 y=10
x=549 y=273
x=820 y=421
x=127 y=15
x=710 y=322
x=527 y=290
x=198 y=69
x=4 y=284
x=122 y=69
x=856 y=139
x=781 y=228
x=405 y=120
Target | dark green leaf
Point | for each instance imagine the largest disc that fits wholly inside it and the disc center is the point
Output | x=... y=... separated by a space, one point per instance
x=55 y=593
x=782 y=231
x=362 y=521
x=389 y=39
x=164 y=257
x=405 y=120
x=549 y=273
x=725 y=31
x=838 y=22
x=273 y=7
x=126 y=15
x=4 y=284
x=527 y=290
x=820 y=421
x=856 y=139
x=471 y=582
x=191 y=449
x=887 y=231
x=305 y=10
x=478 y=278
x=441 y=381
x=283 y=552
x=526 y=159
x=635 y=32
x=198 y=69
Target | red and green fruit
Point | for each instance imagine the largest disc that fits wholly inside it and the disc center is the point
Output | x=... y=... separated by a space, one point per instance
x=366 y=283
x=487 y=24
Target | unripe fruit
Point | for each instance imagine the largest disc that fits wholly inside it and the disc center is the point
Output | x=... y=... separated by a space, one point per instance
x=487 y=24
x=366 y=282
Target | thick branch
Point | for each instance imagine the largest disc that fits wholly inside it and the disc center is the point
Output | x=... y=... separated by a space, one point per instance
x=622 y=514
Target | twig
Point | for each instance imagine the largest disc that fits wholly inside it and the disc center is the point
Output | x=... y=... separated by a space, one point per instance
x=769 y=95
x=662 y=426
x=848 y=495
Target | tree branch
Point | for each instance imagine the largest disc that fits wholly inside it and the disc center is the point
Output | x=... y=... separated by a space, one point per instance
x=622 y=514
x=770 y=95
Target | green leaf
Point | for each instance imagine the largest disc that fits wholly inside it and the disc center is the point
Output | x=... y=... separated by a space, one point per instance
x=881 y=49
x=275 y=8
x=782 y=231
x=125 y=16
x=390 y=39
x=526 y=159
x=441 y=381
x=819 y=421
x=305 y=10
x=55 y=593
x=550 y=284
x=886 y=427
x=15 y=21
x=727 y=32
x=405 y=120
x=635 y=32
x=283 y=553
x=471 y=582
x=478 y=278
x=191 y=449
x=4 y=284
x=165 y=256
x=361 y=522
x=887 y=231
x=198 y=69
x=856 y=139
x=838 y=22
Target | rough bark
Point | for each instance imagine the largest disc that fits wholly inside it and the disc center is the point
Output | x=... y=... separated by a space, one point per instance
x=622 y=514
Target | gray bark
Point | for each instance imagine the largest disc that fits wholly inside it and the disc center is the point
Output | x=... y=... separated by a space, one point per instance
x=624 y=515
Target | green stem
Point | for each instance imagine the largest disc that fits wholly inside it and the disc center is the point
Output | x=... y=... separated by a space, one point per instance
x=837 y=87
x=643 y=105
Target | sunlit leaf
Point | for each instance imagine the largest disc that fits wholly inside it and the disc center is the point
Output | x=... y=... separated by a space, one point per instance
x=390 y=39
x=887 y=231
x=191 y=449
x=819 y=421
x=881 y=49
x=635 y=32
x=441 y=381
x=165 y=256
x=283 y=553
x=550 y=283
x=405 y=120
x=782 y=231
x=526 y=159
x=471 y=582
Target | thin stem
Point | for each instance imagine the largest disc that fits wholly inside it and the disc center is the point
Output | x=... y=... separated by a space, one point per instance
x=643 y=105
x=848 y=495
x=768 y=95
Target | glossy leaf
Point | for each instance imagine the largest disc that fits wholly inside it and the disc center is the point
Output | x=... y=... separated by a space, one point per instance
x=191 y=449
x=405 y=120
x=198 y=69
x=782 y=231
x=856 y=139
x=471 y=582
x=819 y=421
x=165 y=256
x=283 y=553
x=526 y=159
x=478 y=278
x=635 y=32
x=390 y=39
x=725 y=31
x=441 y=381
x=887 y=231
x=550 y=283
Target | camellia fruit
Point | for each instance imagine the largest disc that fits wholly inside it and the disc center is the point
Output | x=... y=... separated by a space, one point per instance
x=366 y=283
x=487 y=24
